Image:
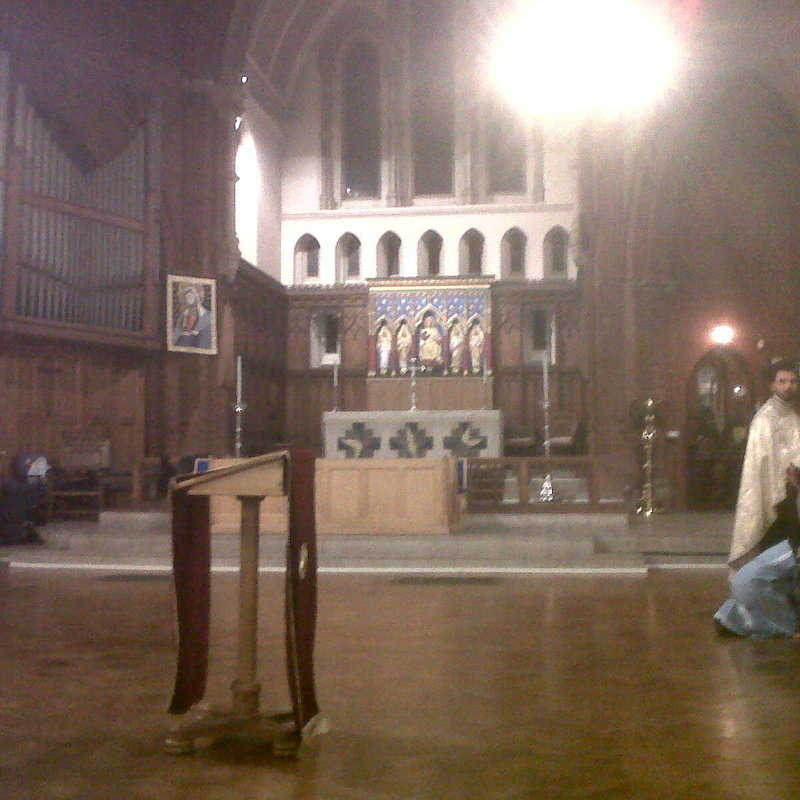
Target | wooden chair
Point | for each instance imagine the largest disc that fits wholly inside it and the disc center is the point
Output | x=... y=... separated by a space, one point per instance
x=520 y=442
x=565 y=432
x=146 y=476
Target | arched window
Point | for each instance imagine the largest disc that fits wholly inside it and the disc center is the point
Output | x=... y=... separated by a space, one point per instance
x=306 y=258
x=433 y=97
x=512 y=253
x=325 y=339
x=248 y=192
x=361 y=122
x=348 y=258
x=539 y=335
x=470 y=253
x=555 y=252
x=505 y=150
x=389 y=255
x=429 y=254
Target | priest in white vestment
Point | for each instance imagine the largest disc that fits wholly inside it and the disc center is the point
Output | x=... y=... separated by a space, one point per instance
x=773 y=444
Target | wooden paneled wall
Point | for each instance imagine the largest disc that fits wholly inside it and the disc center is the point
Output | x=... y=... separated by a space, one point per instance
x=52 y=392
x=310 y=391
x=436 y=394
x=515 y=387
x=518 y=382
x=260 y=317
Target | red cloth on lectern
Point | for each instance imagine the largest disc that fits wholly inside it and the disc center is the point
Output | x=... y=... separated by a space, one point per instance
x=191 y=566
x=301 y=587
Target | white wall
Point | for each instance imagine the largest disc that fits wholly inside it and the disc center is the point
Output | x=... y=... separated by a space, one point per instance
x=451 y=223
x=301 y=186
x=268 y=145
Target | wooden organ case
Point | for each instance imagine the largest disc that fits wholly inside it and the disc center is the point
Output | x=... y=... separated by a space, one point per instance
x=79 y=308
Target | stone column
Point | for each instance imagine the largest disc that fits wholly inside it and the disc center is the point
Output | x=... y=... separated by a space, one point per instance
x=199 y=189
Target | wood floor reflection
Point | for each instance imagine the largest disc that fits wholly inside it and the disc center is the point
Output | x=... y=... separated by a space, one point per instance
x=521 y=687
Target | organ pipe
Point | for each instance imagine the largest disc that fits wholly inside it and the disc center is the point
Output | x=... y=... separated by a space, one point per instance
x=74 y=267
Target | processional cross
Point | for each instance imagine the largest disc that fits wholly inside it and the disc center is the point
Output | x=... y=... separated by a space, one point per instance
x=413 y=364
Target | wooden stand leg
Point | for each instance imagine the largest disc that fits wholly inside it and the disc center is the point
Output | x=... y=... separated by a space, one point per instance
x=243 y=720
x=245 y=687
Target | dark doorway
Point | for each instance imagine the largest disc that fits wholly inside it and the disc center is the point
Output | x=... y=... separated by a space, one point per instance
x=720 y=404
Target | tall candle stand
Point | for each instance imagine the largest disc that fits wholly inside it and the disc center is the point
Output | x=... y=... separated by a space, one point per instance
x=485 y=385
x=239 y=407
x=547 y=492
x=546 y=398
x=647 y=506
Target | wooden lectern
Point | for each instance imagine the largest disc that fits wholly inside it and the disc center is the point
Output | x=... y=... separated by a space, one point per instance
x=276 y=474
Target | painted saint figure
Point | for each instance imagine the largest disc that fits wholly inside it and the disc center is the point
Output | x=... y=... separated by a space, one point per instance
x=384 y=347
x=456 y=347
x=193 y=322
x=430 y=342
x=404 y=340
x=476 y=341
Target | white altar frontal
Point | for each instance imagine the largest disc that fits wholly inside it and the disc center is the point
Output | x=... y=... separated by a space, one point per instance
x=413 y=434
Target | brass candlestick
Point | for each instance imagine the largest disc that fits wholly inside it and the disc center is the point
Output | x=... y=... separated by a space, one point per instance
x=646 y=505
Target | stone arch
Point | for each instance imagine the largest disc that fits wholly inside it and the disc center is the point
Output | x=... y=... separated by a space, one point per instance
x=388 y=255
x=306 y=258
x=429 y=253
x=471 y=253
x=348 y=258
x=555 y=248
x=513 y=252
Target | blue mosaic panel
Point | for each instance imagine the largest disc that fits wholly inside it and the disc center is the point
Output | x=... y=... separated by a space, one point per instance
x=394 y=305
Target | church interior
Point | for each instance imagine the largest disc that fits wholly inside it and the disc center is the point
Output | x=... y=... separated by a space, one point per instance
x=235 y=227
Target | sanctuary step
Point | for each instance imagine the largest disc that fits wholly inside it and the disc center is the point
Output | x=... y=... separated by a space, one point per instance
x=484 y=540
x=673 y=534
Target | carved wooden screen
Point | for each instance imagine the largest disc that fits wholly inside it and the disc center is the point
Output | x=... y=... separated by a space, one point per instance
x=78 y=245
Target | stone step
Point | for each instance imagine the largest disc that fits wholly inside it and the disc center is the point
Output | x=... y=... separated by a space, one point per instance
x=699 y=544
x=542 y=522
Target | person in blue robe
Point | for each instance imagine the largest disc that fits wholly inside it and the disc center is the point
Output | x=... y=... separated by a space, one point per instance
x=765 y=592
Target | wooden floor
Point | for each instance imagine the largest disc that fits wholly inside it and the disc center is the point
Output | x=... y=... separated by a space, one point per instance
x=518 y=687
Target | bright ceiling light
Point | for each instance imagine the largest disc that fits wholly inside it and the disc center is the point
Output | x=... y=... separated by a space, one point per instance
x=722 y=334
x=581 y=57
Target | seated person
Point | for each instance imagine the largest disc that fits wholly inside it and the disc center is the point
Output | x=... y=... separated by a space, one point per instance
x=764 y=592
x=23 y=494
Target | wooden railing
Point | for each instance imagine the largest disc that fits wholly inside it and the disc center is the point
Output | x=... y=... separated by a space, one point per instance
x=517 y=485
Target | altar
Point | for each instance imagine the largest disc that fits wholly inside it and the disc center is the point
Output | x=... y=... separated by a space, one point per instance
x=391 y=468
x=471 y=433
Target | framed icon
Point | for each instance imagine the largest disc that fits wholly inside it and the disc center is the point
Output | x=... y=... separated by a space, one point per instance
x=191 y=314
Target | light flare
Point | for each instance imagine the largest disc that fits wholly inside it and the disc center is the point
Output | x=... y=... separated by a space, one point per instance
x=722 y=334
x=248 y=194
x=582 y=57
